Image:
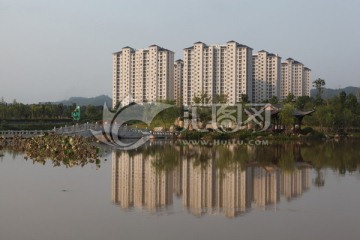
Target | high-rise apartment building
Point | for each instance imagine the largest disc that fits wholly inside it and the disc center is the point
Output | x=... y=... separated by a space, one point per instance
x=266 y=76
x=295 y=79
x=217 y=69
x=143 y=74
x=307 y=81
x=151 y=75
x=178 y=81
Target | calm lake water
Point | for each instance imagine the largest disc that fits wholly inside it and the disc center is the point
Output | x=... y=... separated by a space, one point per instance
x=171 y=191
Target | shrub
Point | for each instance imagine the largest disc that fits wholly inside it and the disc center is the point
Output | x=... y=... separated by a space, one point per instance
x=307 y=130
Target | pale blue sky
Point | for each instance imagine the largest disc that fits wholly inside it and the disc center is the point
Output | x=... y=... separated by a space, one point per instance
x=51 y=50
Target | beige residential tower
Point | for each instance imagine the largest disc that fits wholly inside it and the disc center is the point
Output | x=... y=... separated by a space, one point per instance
x=143 y=74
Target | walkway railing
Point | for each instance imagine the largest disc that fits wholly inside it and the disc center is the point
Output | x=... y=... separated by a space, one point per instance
x=77 y=128
x=21 y=133
x=83 y=130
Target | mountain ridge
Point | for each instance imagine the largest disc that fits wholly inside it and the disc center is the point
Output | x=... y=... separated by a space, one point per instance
x=84 y=101
x=330 y=92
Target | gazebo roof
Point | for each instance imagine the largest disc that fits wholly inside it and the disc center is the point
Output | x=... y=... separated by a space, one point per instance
x=299 y=113
x=276 y=108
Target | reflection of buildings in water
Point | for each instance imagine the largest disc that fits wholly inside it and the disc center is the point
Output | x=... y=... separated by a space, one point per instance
x=177 y=181
x=135 y=183
x=232 y=192
x=266 y=182
x=294 y=183
x=205 y=191
x=204 y=188
x=177 y=176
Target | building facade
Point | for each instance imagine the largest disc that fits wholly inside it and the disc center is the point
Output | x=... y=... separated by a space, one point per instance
x=143 y=75
x=266 y=76
x=217 y=70
x=148 y=75
x=295 y=79
x=178 y=81
x=307 y=81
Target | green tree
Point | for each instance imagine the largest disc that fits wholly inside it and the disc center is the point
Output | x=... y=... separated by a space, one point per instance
x=286 y=115
x=90 y=112
x=60 y=110
x=319 y=84
x=342 y=98
x=302 y=101
x=203 y=98
x=3 y=108
x=324 y=117
x=244 y=98
x=167 y=116
x=352 y=103
x=290 y=98
x=16 y=110
x=220 y=98
x=274 y=100
x=203 y=114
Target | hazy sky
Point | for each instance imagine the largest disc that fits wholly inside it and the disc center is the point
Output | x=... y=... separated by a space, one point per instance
x=51 y=50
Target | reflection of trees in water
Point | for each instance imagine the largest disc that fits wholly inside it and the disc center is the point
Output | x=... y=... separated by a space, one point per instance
x=339 y=156
x=319 y=180
x=287 y=157
x=342 y=156
x=223 y=179
x=226 y=179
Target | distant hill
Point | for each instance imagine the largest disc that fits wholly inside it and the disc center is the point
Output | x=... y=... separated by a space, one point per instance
x=329 y=93
x=83 y=101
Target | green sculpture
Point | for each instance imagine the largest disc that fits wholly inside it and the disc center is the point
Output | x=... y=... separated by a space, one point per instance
x=76 y=114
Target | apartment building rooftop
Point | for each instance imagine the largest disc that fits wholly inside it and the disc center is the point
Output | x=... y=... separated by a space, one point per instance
x=269 y=54
x=218 y=45
x=153 y=45
x=294 y=62
x=160 y=48
x=238 y=44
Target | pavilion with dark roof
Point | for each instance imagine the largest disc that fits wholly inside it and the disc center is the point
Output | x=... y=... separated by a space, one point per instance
x=276 y=122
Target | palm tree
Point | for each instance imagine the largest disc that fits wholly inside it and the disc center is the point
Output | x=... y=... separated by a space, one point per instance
x=319 y=85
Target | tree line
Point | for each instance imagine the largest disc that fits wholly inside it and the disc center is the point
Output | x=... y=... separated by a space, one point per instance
x=46 y=111
x=337 y=114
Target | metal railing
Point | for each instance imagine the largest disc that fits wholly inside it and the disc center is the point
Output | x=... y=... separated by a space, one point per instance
x=21 y=133
x=79 y=129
